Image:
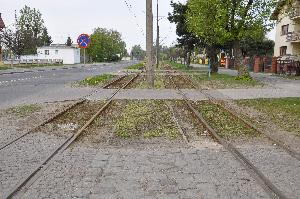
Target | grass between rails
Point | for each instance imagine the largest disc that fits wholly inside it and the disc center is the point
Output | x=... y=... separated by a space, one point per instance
x=284 y=112
x=25 y=110
x=96 y=80
x=136 y=66
x=223 y=81
x=148 y=119
x=226 y=125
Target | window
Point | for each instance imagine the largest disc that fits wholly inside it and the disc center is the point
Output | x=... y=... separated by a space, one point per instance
x=283 y=50
x=56 y=52
x=284 y=29
x=46 y=52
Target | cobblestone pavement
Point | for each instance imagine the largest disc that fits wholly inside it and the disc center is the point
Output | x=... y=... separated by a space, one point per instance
x=277 y=165
x=147 y=172
x=18 y=160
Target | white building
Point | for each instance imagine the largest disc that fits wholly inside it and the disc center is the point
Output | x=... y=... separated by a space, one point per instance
x=69 y=54
x=287 y=41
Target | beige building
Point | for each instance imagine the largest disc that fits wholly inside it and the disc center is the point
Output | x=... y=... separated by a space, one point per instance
x=287 y=40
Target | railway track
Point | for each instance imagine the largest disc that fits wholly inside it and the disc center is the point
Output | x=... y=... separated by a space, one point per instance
x=274 y=191
x=73 y=105
x=68 y=141
x=222 y=105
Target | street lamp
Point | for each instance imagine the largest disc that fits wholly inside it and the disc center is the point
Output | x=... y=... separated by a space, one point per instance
x=2 y=25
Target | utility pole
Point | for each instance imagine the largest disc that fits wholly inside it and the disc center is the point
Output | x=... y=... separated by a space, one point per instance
x=2 y=26
x=149 y=44
x=157 y=39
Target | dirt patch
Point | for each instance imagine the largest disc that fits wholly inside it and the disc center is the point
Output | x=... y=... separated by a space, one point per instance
x=12 y=125
x=72 y=120
x=132 y=123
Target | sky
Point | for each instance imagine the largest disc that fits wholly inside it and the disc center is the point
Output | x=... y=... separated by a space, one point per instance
x=65 y=18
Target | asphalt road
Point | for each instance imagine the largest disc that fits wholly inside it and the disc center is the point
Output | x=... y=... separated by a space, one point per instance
x=50 y=84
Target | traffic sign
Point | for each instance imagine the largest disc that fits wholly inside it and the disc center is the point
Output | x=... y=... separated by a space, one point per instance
x=83 y=41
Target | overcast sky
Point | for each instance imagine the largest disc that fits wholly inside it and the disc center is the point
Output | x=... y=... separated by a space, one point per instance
x=65 y=18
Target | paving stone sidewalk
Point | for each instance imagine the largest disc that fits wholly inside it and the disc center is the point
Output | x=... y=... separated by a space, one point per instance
x=136 y=173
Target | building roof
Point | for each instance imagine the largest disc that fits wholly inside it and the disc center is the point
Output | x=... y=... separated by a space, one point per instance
x=2 y=25
x=60 y=46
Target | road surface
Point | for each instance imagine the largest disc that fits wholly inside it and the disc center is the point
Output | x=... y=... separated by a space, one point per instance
x=50 y=84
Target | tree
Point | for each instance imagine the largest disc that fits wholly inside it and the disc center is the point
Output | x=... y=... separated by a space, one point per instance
x=13 y=40
x=221 y=22
x=69 y=41
x=252 y=47
x=44 y=39
x=138 y=53
x=187 y=40
x=106 y=45
x=31 y=25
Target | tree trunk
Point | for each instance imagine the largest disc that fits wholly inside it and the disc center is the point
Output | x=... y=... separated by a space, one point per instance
x=188 y=59
x=238 y=60
x=213 y=56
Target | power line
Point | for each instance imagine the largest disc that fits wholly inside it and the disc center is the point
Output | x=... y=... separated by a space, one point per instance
x=129 y=6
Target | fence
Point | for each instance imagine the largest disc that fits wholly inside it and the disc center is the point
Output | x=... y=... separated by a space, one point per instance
x=38 y=62
x=288 y=66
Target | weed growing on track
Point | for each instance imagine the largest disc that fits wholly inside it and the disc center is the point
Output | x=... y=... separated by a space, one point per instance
x=227 y=126
x=25 y=110
x=285 y=111
x=96 y=80
x=149 y=119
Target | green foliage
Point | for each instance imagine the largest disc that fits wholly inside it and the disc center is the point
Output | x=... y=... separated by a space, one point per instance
x=285 y=111
x=251 y=47
x=69 y=41
x=28 y=34
x=219 y=21
x=187 y=40
x=106 y=45
x=96 y=80
x=148 y=119
x=25 y=110
x=245 y=75
x=178 y=66
x=138 y=53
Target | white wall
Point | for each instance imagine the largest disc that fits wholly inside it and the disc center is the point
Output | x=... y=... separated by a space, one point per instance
x=68 y=55
x=280 y=40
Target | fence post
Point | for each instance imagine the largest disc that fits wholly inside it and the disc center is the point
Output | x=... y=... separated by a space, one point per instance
x=256 y=64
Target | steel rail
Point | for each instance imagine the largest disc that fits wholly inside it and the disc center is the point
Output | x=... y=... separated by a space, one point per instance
x=222 y=105
x=267 y=184
x=80 y=101
x=70 y=140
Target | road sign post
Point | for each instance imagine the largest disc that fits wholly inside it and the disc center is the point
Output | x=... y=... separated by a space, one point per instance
x=83 y=42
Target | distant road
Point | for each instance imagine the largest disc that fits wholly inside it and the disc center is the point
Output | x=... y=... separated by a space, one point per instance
x=50 y=83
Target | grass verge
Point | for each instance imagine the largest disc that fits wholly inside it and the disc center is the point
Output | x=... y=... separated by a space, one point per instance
x=227 y=126
x=136 y=66
x=223 y=81
x=4 y=68
x=178 y=66
x=284 y=112
x=148 y=119
x=25 y=110
x=96 y=80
